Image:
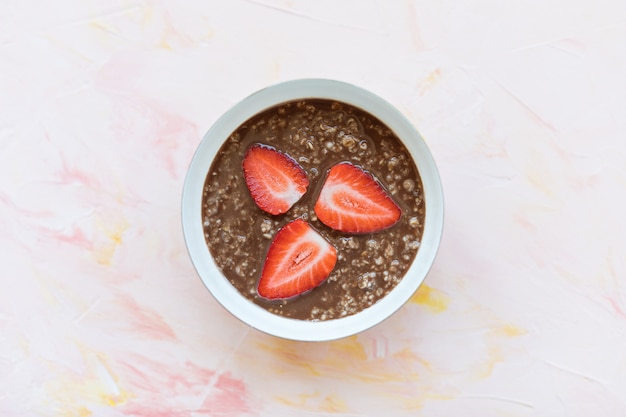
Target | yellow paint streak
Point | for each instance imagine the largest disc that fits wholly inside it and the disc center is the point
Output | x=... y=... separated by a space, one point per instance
x=300 y=400
x=431 y=298
x=170 y=38
x=417 y=402
x=289 y=355
x=111 y=395
x=538 y=180
x=495 y=350
x=430 y=81
x=408 y=356
x=164 y=44
x=345 y=358
x=148 y=16
x=98 y=26
x=78 y=411
x=494 y=357
x=84 y=411
x=349 y=356
x=509 y=330
x=113 y=238
x=97 y=385
x=333 y=404
x=210 y=33
x=349 y=347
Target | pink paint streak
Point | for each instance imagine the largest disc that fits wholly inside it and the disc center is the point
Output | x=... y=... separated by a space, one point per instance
x=70 y=174
x=75 y=237
x=169 y=133
x=616 y=306
x=228 y=398
x=144 y=321
x=219 y=394
x=170 y=137
x=150 y=375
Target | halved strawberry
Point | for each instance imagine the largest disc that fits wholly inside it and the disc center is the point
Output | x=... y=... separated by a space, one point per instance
x=353 y=201
x=275 y=180
x=299 y=259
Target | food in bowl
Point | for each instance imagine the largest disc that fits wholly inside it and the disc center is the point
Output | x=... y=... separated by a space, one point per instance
x=193 y=216
x=313 y=209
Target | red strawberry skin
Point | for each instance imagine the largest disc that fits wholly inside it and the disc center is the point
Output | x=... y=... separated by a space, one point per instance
x=275 y=180
x=298 y=260
x=353 y=201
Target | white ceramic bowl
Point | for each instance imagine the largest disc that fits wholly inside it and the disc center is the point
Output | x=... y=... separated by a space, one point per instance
x=222 y=289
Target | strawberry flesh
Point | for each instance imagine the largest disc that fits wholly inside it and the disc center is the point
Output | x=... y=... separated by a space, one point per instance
x=275 y=180
x=298 y=260
x=353 y=201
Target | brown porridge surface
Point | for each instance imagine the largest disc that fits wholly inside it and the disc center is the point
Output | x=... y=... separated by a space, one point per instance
x=318 y=134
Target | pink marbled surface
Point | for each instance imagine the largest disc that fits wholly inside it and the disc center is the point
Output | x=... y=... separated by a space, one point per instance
x=522 y=104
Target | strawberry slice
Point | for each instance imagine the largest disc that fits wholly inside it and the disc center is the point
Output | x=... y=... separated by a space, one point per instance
x=299 y=259
x=353 y=201
x=275 y=180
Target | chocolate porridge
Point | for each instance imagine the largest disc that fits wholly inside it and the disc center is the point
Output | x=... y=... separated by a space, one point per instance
x=317 y=134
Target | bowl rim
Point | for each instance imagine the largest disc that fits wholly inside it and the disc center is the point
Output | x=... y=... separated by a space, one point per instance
x=219 y=286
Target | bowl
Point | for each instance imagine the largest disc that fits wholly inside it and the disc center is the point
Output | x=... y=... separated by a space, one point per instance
x=219 y=286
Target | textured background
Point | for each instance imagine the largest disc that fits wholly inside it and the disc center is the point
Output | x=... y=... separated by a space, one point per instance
x=523 y=104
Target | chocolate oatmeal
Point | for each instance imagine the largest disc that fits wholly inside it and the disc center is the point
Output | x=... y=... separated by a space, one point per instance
x=317 y=134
